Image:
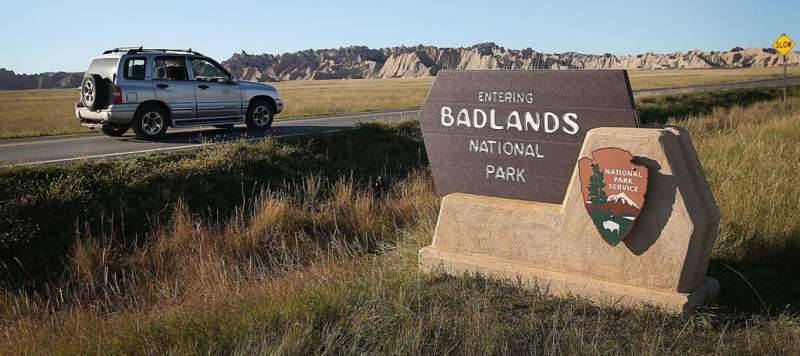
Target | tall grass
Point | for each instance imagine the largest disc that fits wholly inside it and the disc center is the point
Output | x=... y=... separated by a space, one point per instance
x=188 y=260
x=271 y=234
x=128 y=196
x=750 y=157
x=329 y=266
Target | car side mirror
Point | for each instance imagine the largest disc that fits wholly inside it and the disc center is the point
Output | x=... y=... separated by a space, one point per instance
x=234 y=80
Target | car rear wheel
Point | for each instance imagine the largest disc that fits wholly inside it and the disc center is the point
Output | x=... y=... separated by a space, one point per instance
x=150 y=122
x=114 y=130
x=259 y=116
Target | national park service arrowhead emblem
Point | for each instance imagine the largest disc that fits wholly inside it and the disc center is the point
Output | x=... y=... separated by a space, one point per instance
x=613 y=188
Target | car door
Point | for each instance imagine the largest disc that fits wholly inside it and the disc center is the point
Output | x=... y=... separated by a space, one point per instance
x=172 y=85
x=217 y=94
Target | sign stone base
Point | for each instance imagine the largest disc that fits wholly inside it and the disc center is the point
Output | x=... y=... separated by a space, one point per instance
x=663 y=260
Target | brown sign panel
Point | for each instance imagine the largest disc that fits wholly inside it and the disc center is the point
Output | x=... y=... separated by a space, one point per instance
x=517 y=134
x=613 y=189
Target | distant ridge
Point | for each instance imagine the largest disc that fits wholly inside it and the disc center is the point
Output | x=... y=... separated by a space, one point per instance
x=10 y=80
x=359 y=62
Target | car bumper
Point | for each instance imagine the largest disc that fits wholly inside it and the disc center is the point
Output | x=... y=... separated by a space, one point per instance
x=121 y=114
x=278 y=105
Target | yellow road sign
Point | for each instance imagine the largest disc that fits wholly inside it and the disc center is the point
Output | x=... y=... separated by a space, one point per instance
x=783 y=44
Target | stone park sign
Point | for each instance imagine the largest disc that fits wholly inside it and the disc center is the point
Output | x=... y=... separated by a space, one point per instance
x=546 y=177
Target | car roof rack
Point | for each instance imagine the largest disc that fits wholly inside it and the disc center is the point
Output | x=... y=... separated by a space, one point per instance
x=132 y=50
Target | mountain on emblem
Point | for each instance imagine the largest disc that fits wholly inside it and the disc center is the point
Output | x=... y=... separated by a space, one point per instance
x=613 y=189
x=621 y=197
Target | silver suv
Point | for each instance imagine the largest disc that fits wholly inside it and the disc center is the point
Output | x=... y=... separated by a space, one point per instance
x=151 y=89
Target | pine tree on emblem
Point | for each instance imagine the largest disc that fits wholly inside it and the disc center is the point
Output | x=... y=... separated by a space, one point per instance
x=597 y=195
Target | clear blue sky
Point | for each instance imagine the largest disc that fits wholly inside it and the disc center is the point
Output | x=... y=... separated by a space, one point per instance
x=41 y=36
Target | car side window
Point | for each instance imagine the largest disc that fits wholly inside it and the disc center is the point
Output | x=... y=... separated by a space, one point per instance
x=207 y=71
x=170 y=68
x=135 y=68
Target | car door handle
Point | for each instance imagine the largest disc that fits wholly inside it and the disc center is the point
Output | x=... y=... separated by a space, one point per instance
x=162 y=86
x=203 y=86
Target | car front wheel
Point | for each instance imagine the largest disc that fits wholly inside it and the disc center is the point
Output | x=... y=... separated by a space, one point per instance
x=150 y=122
x=259 y=116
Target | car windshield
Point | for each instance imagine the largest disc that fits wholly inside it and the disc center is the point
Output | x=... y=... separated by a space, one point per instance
x=104 y=67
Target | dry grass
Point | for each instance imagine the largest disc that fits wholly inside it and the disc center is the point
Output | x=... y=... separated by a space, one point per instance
x=751 y=156
x=331 y=267
x=50 y=112
x=38 y=112
x=189 y=260
x=652 y=79
x=304 y=98
x=192 y=266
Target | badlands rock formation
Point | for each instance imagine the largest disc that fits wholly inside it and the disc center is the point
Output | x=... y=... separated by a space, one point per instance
x=10 y=80
x=425 y=61
x=357 y=62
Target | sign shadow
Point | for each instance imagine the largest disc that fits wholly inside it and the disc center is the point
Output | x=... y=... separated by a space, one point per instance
x=660 y=198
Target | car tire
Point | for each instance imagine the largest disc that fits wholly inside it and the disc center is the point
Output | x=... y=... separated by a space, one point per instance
x=150 y=122
x=94 y=92
x=259 y=115
x=114 y=130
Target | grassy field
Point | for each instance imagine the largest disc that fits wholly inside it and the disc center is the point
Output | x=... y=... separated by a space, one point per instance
x=652 y=79
x=50 y=112
x=325 y=97
x=38 y=112
x=314 y=252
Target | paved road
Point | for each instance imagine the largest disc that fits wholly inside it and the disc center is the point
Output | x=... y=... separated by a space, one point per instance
x=59 y=149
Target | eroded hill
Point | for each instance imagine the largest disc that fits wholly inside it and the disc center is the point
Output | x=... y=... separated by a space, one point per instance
x=359 y=62
x=423 y=61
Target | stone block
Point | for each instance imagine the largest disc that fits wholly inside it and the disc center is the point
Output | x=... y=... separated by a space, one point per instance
x=663 y=261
